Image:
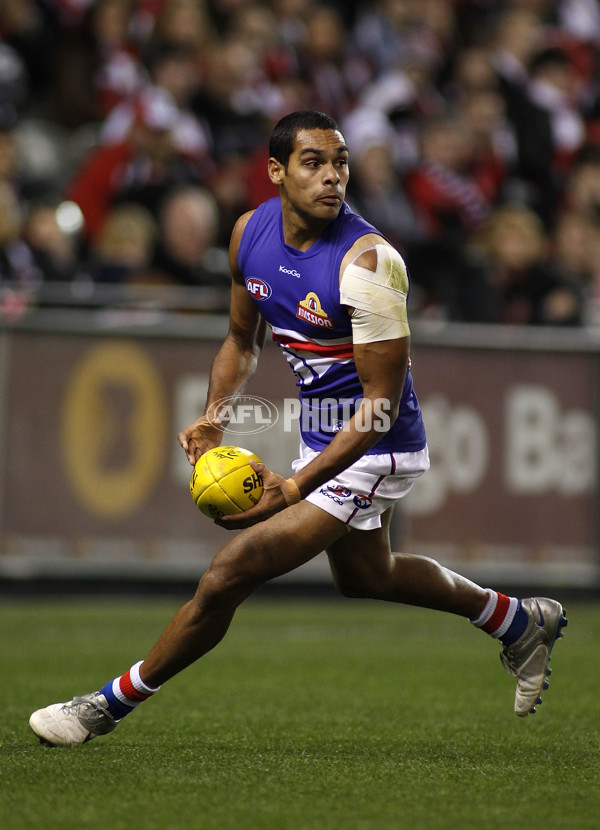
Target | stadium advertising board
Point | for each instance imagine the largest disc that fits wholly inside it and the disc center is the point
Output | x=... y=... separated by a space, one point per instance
x=95 y=481
x=512 y=439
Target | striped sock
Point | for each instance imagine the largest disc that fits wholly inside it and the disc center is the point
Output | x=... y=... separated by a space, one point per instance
x=503 y=618
x=126 y=692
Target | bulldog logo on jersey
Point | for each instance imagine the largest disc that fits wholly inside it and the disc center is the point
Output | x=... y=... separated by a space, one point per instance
x=310 y=309
x=362 y=501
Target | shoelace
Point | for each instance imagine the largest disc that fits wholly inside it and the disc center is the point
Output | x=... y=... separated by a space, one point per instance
x=78 y=705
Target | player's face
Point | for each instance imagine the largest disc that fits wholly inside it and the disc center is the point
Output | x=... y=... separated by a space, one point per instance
x=314 y=182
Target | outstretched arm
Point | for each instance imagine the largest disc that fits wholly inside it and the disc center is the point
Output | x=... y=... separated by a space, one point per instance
x=235 y=362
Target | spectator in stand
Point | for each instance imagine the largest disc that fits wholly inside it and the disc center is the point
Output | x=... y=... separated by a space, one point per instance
x=406 y=91
x=443 y=187
x=518 y=38
x=174 y=68
x=187 y=23
x=449 y=205
x=381 y=33
x=19 y=266
x=29 y=159
x=142 y=167
x=292 y=19
x=96 y=64
x=186 y=252
x=229 y=100
x=28 y=43
x=572 y=255
x=591 y=312
x=578 y=232
x=224 y=10
x=124 y=246
x=376 y=189
x=471 y=71
x=54 y=249
x=20 y=273
x=332 y=72
x=582 y=189
x=493 y=142
x=8 y=143
x=519 y=284
x=555 y=88
x=238 y=101
x=227 y=70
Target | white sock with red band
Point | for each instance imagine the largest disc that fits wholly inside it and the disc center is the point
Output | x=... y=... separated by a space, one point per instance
x=502 y=618
x=126 y=692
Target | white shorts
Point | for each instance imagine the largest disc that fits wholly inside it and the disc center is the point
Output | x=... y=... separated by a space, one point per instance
x=361 y=493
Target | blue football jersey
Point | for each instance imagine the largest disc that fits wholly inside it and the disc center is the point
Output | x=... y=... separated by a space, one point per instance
x=298 y=294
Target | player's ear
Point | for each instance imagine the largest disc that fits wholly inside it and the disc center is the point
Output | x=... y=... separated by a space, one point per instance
x=276 y=171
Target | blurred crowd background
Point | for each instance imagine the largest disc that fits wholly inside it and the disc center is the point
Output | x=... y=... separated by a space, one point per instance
x=134 y=132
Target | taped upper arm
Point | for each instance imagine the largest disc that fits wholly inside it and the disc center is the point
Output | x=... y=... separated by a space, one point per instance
x=377 y=294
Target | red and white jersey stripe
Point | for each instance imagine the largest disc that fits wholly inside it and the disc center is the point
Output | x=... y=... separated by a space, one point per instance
x=311 y=358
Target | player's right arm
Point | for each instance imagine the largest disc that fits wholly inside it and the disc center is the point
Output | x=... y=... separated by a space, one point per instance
x=236 y=360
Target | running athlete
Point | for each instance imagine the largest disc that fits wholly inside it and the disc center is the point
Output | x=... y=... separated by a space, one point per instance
x=333 y=292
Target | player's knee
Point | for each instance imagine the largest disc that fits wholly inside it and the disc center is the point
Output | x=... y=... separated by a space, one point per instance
x=230 y=580
x=221 y=588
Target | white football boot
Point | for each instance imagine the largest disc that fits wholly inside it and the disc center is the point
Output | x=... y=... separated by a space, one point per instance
x=527 y=659
x=73 y=723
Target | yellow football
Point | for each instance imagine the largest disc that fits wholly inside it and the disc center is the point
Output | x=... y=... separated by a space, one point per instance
x=223 y=482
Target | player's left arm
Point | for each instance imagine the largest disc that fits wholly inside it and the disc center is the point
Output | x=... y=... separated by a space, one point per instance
x=374 y=286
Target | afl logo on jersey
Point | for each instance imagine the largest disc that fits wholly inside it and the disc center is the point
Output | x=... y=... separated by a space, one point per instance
x=310 y=309
x=259 y=289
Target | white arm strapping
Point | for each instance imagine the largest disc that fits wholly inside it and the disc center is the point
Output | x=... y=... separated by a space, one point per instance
x=378 y=297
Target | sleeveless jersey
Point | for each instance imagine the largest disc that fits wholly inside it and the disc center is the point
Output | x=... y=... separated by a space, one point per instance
x=298 y=294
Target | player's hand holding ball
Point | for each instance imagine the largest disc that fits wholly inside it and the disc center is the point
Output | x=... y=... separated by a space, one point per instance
x=223 y=483
x=200 y=436
x=232 y=486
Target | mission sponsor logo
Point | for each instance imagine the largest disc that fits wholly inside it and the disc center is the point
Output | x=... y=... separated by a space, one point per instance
x=310 y=310
x=259 y=289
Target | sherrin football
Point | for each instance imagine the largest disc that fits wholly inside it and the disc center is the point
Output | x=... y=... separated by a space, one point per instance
x=224 y=483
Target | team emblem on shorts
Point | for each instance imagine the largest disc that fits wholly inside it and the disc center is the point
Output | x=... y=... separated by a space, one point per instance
x=362 y=501
x=340 y=490
x=310 y=309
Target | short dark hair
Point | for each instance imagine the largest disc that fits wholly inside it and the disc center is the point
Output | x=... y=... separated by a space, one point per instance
x=283 y=137
x=552 y=56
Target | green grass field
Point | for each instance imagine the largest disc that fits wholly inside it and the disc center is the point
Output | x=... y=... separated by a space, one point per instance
x=321 y=715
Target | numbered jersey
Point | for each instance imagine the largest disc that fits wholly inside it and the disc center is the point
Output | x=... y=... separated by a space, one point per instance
x=298 y=293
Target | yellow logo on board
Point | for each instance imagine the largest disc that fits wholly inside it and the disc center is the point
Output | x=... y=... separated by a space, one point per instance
x=114 y=458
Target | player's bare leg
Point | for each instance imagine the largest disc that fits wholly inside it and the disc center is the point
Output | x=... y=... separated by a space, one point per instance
x=258 y=554
x=364 y=566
